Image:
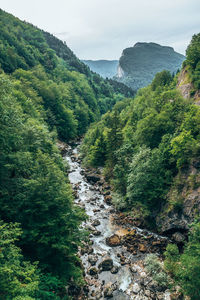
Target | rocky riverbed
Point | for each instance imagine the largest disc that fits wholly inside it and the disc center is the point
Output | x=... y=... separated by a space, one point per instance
x=113 y=259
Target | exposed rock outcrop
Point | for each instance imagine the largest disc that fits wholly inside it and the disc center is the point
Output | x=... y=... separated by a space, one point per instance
x=183 y=203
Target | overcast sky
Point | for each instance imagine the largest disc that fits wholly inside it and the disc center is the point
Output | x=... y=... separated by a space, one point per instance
x=101 y=29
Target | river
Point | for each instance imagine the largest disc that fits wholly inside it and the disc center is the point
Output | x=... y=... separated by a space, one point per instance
x=125 y=271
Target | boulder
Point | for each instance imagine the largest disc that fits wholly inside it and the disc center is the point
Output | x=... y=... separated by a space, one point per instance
x=93 y=271
x=92 y=177
x=96 y=223
x=109 y=289
x=142 y=248
x=106 y=264
x=133 y=269
x=96 y=232
x=114 y=270
x=136 y=288
x=113 y=240
x=108 y=199
x=92 y=259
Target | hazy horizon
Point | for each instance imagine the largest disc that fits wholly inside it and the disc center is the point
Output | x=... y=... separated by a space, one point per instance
x=96 y=30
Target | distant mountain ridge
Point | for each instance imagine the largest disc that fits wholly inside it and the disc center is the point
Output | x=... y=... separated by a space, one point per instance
x=105 y=68
x=139 y=64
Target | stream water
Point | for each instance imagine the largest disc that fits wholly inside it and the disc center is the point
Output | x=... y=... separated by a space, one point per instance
x=89 y=196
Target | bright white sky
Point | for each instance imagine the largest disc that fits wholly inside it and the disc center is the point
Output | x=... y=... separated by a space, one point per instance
x=101 y=29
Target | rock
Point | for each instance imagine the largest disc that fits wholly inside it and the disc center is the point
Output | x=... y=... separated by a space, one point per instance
x=138 y=297
x=114 y=270
x=92 y=259
x=178 y=237
x=92 y=177
x=108 y=200
x=147 y=293
x=113 y=240
x=106 y=264
x=96 y=223
x=89 y=227
x=142 y=248
x=93 y=271
x=160 y=296
x=96 y=232
x=102 y=206
x=143 y=275
x=106 y=193
x=86 y=289
x=96 y=210
x=86 y=250
x=108 y=292
x=109 y=289
x=136 y=288
x=133 y=269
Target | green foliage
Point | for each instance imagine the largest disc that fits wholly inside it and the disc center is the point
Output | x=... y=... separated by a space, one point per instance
x=35 y=192
x=193 y=51
x=161 y=79
x=143 y=186
x=156 y=271
x=19 y=278
x=184 y=146
x=193 y=60
x=185 y=267
x=171 y=258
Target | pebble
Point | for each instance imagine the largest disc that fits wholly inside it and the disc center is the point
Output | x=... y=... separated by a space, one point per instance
x=136 y=288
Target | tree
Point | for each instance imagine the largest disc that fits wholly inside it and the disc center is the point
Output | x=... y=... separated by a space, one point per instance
x=18 y=278
x=147 y=179
x=185 y=267
x=161 y=79
x=193 y=51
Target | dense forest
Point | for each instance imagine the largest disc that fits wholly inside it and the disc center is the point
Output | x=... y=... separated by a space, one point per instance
x=46 y=95
x=144 y=145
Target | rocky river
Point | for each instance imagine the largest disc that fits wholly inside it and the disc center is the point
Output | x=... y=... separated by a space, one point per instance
x=113 y=259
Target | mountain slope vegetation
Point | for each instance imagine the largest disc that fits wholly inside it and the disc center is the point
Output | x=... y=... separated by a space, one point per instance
x=46 y=95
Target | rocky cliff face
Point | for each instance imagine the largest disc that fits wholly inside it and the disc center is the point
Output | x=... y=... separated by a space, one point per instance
x=139 y=64
x=183 y=202
x=186 y=87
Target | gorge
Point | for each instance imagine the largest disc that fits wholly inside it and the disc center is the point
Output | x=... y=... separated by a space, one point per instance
x=113 y=258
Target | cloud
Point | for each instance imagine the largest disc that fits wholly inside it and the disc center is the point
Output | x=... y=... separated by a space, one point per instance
x=96 y=29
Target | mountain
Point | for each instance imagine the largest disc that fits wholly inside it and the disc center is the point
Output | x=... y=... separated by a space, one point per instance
x=139 y=64
x=106 y=68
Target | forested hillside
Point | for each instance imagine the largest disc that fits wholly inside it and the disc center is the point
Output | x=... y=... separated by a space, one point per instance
x=149 y=147
x=46 y=95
